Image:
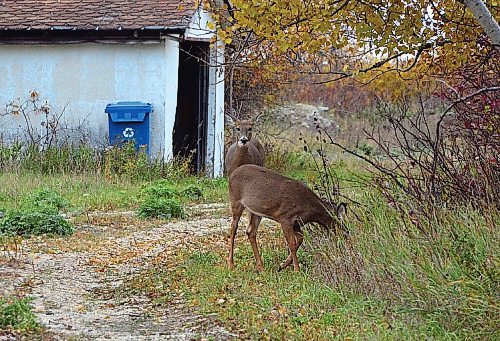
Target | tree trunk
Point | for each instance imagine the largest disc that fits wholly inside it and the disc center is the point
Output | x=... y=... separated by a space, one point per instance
x=485 y=19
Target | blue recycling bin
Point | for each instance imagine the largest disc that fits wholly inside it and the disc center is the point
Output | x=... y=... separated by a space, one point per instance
x=129 y=121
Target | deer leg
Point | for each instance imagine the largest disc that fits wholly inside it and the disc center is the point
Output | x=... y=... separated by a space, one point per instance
x=237 y=210
x=299 y=237
x=253 y=225
x=292 y=243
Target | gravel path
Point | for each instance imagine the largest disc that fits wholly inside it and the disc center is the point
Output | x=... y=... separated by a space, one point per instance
x=71 y=290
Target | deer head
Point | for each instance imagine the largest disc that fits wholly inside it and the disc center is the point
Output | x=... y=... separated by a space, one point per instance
x=243 y=128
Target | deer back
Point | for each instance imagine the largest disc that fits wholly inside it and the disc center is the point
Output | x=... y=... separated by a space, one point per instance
x=272 y=195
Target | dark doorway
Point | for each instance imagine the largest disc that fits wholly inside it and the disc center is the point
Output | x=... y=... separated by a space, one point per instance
x=190 y=127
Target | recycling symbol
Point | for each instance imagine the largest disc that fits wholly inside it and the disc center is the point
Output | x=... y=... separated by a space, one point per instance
x=128 y=132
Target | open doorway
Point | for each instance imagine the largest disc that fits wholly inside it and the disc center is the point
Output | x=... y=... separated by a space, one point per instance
x=190 y=127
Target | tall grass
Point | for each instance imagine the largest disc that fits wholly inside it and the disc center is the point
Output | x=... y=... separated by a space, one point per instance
x=446 y=269
x=122 y=162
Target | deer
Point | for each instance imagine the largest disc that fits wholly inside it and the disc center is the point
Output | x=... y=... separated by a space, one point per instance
x=246 y=150
x=289 y=202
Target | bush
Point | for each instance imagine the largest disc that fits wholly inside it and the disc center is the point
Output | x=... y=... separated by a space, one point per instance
x=162 y=200
x=157 y=207
x=17 y=314
x=25 y=223
x=38 y=214
x=192 y=192
x=44 y=200
x=161 y=189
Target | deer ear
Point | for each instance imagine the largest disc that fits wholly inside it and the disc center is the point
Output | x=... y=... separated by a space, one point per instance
x=231 y=117
x=256 y=119
x=342 y=210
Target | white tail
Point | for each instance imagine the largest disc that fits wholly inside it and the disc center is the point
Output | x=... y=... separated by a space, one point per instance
x=266 y=193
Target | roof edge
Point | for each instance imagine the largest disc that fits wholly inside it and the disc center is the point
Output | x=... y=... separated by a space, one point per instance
x=75 y=36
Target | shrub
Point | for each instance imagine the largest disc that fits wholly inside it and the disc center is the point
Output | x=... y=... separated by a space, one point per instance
x=17 y=314
x=37 y=214
x=44 y=200
x=192 y=192
x=161 y=189
x=158 y=207
x=25 y=223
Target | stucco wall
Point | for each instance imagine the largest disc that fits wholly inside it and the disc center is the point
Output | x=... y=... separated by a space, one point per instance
x=83 y=78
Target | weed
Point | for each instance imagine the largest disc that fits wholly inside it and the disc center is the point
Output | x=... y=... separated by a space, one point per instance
x=280 y=159
x=16 y=314
x=26 y=223
x=11 y=247
x=165 y=208
x=161 y=189
x=37 y=214
x=444 y=270
x=116 y=163
x=192 y=192
x=44 y=200
x=161 y=201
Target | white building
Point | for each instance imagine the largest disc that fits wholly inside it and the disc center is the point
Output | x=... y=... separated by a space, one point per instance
x=81 y=55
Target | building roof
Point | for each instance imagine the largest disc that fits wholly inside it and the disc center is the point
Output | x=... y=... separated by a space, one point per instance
x=95 y=14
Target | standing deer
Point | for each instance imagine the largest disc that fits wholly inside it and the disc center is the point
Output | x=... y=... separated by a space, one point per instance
x=246 y=150
x=266 y=193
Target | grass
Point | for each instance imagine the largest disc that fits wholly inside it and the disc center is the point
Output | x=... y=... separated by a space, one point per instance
x=277 y=306
x=394 y=278
x=94 y=192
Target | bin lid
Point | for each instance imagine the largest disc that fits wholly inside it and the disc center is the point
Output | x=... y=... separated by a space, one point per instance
x=128 y=111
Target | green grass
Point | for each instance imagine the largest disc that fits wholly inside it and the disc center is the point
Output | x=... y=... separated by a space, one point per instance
x=392 y=279
x=16 y=315
x=95 y=192
x=396 y=277
x=286 y=305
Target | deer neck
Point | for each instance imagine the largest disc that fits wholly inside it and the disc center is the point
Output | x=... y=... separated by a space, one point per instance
x=242 y=151
x=324 y=215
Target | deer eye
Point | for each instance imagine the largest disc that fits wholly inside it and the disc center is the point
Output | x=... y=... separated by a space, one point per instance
x=237 y=129
x=249 y=129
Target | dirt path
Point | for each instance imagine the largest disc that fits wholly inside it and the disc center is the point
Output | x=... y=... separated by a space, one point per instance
x=71 y=281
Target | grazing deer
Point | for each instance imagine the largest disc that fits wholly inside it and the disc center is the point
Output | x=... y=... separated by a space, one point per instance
x=246 y=150
x=266 y=193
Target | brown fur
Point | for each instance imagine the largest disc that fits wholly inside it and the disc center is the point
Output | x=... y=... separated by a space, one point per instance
x=268 y=194
x=239 y=153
